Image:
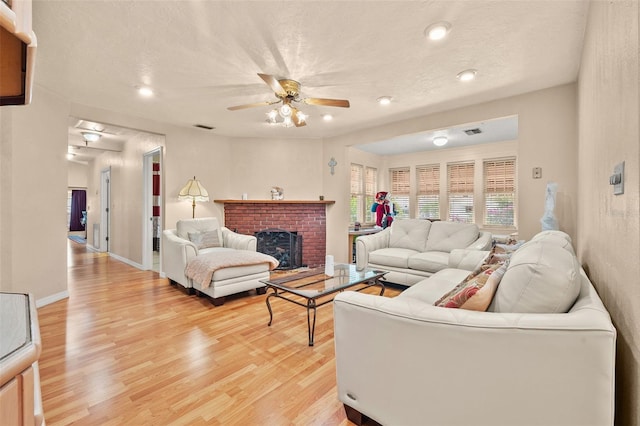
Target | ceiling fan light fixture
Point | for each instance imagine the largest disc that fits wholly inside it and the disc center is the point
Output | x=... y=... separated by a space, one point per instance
x=440 y=140
x=285 y=111
x=91 y=137
x=327 y=117
x=467 y=75
x=301 y=116
x=384 y=100
x=438 y=30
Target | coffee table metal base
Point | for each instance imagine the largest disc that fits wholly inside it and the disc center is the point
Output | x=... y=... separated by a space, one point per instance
x=311 y=305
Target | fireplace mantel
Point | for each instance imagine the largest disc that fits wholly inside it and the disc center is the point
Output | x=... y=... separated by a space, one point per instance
x=274 y=201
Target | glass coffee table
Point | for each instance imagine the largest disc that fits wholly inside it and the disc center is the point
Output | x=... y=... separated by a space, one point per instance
x=312 y=288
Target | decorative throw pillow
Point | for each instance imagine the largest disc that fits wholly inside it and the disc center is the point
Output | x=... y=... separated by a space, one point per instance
x=205 y=239
x=482 y=298
x=467 y=289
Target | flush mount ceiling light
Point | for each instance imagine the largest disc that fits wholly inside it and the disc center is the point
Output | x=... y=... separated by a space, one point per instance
x=91 y=137
x=467 y=75
x=440 y=140
x=384 y=100
x=437 y=31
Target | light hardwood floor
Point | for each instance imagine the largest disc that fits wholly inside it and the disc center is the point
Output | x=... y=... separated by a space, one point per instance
x=127 y=348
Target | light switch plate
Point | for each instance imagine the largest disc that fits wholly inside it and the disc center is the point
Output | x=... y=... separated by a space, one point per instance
x=537 y=172
x=618 y=170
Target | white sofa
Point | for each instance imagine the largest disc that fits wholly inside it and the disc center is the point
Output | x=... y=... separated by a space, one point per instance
x=413 y=249
x=543 y=353
x=178 y=250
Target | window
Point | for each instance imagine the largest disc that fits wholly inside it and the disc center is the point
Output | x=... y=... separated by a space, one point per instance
x=499 y=192
x=370 y=185
x=460 y=192
x=400 y=181
x=357 y=193
x=428 y=178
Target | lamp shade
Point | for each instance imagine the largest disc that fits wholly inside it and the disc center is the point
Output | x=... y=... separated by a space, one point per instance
x=193 y=191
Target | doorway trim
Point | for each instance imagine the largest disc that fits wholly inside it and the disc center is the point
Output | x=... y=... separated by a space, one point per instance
x=105 y=209
x=147 y=210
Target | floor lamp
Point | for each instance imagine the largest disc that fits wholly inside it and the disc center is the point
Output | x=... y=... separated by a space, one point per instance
x=193 y=191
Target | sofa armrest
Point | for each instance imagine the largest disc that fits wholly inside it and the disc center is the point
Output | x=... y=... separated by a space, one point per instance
x=466 y=367
x=483 y=242
x=365 y=244
x=467 y=259
x=176 y=253
x=238 y=241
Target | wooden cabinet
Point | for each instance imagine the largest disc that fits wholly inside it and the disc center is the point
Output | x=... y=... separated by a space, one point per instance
x=17 y=55
x=20 y=347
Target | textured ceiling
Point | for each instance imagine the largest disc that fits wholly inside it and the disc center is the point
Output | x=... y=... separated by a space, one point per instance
x=202 y=56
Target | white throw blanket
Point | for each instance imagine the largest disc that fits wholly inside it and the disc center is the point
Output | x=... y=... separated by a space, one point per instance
x=202 y=268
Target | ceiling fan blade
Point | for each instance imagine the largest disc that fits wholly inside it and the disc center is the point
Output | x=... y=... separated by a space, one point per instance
x=274 y=84
x=257 y=104
x=327 y=102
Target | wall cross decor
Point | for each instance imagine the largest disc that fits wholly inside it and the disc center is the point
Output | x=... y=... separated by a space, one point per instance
x=332 y=164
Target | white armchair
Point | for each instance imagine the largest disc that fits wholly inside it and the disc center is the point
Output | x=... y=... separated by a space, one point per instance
x=178 y=250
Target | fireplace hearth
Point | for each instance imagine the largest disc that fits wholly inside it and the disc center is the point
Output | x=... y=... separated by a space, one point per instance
x=285 y=246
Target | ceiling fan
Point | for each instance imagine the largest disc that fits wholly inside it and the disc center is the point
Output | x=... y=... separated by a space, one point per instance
x=288 y=91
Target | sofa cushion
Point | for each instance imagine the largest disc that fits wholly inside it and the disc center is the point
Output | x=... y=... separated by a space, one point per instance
x=430 y=261
x=556 y=237
x=542 y=277
x=446 y=236
x=205 y=239
x=409 y=234
x=398 y=257
x=183 y=227
x=431 y=289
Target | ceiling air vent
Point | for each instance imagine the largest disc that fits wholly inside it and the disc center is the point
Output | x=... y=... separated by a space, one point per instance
x=203 y=126
x=472 y=132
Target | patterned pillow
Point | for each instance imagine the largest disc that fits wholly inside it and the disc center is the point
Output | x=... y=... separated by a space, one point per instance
x=477 y=290
x=205 y=239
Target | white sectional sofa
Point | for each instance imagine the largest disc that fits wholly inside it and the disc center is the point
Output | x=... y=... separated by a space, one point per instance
x=194 y=238
x=542 y=354
x=413 y=249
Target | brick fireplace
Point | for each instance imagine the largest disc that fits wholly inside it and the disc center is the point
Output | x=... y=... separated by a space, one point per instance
x=307 y=218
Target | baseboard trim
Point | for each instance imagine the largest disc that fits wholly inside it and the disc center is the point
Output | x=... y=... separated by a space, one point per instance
x=51 y=299
x=127 y=261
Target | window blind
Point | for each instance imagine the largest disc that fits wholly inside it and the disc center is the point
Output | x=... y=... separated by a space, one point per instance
x=370 y=185
x=460 y=191
x=499 y=192
x=357 y=196
x=400 y=191
x=428 y=192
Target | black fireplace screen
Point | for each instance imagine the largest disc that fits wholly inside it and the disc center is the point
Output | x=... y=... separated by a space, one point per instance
x=285 y=246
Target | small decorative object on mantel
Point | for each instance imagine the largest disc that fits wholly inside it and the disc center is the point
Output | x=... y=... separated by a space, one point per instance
x=277 y=193
x=332 y=164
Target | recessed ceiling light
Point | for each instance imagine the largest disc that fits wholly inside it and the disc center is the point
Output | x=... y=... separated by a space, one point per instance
x=145 y=91
x=437 y=31
x=440 y=140
x=467 y=75
x=327 y=117
x=384 y=100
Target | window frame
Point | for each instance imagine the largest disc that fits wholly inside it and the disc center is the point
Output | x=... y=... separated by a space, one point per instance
x=429 y=188
x=464 y=187
x=507 y=181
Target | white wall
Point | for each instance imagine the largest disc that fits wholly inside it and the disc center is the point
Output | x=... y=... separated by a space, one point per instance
x=78 y=175
x=609 y=225
x=33 y=197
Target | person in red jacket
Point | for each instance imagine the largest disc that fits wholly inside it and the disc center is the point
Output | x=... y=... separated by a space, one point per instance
x=383 y=210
